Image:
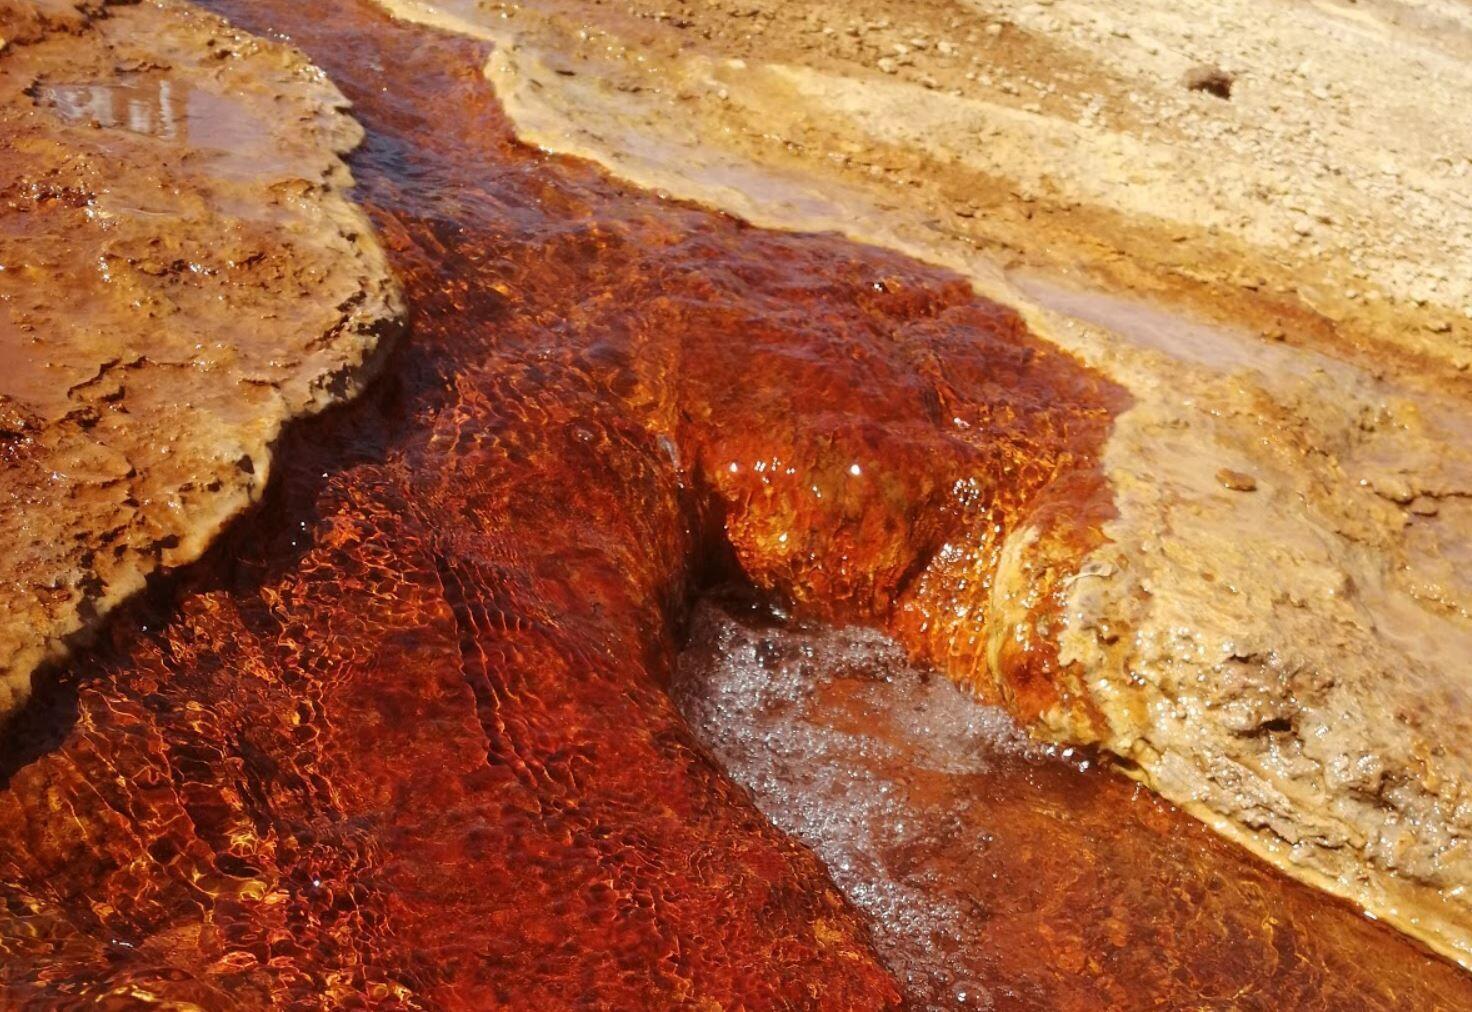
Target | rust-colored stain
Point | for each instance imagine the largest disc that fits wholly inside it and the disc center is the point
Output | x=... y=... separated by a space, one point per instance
x=404 y=739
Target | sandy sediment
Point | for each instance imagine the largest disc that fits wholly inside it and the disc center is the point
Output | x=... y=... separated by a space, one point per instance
x=181 y=273
x=1249 y=219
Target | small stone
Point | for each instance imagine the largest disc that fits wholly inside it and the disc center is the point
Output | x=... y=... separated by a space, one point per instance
x=1236 y=480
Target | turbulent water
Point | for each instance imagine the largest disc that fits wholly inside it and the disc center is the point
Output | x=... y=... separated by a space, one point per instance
x=1000 y=873
x=404 y=738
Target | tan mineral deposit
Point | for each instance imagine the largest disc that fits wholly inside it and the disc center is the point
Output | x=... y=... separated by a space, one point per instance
x=181 y=274
x=1252 y=215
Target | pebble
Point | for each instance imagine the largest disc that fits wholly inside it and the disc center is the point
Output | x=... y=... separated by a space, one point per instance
x=1236 y=480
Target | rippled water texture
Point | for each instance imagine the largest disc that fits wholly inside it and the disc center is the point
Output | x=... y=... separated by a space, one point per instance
x=404 y=737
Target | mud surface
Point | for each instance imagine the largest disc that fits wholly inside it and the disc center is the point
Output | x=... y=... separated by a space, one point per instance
x=180 y=274
x=1001 y=873
x=1283 y=651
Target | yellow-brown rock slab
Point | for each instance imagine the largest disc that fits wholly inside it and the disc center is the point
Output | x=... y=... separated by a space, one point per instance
x=181 y=273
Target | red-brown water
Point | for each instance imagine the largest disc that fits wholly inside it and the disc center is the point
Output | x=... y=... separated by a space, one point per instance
x=403 y=739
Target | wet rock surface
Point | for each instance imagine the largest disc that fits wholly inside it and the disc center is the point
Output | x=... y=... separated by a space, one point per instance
x=403 y=738
x=1323 y=198
x=180 y=274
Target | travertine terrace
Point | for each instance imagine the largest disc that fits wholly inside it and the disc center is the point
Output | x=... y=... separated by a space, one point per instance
x=180 y=275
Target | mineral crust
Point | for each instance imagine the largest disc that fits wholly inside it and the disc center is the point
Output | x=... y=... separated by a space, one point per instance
x=181 y=274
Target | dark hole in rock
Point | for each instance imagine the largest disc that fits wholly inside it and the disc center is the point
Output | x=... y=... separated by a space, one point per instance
x=1212 y=80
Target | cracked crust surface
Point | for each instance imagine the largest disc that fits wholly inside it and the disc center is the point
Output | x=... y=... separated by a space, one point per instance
x=1277 y=633
x=181 y=273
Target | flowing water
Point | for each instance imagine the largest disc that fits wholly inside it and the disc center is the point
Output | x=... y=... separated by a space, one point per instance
x=403 y=739
x=1000 y=873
